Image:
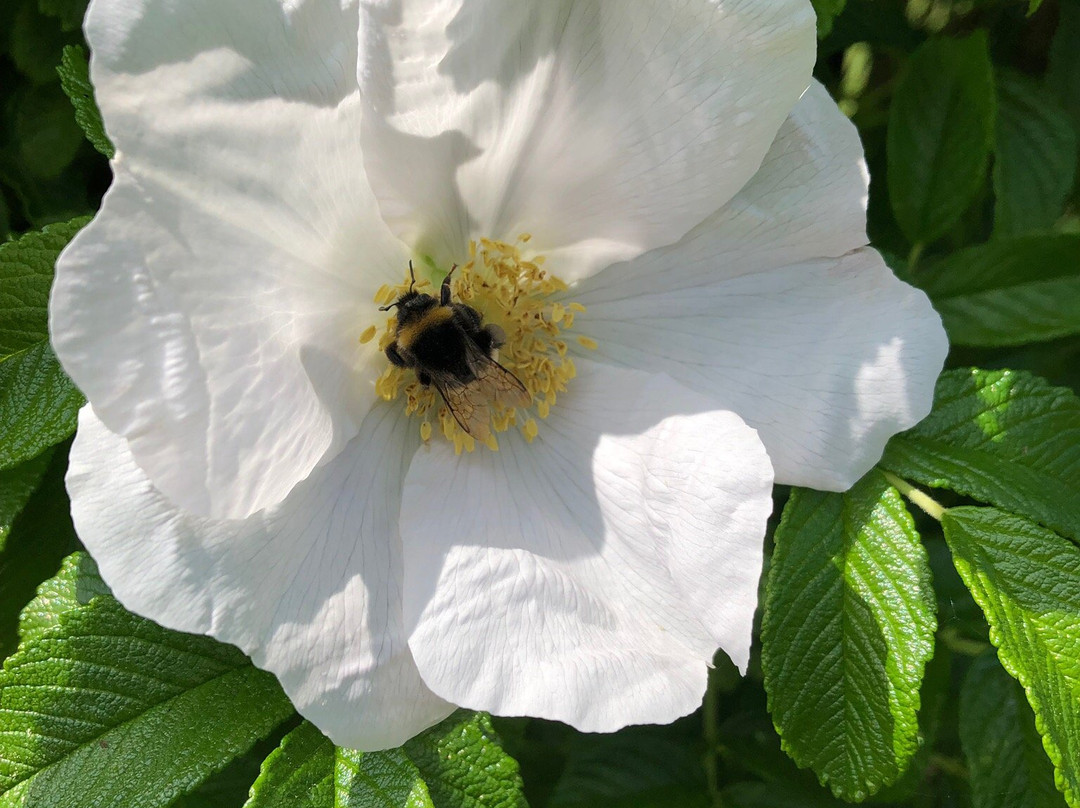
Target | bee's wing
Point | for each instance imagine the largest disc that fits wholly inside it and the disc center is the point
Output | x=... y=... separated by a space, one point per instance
x=493 y=384
x=467 y=404
x=500 y=386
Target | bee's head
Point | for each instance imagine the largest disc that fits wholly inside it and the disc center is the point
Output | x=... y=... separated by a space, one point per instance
x=411 y=305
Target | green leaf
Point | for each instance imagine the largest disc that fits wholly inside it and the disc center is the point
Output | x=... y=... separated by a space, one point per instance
x=465 y=766
x=109 y=709
x=1063 y=70
x=69 y=12
x=74 y=73
x=827 y=11
x=76 y=584
x=1026 y=579
x=635 y=767
x=36 y=42
x=1008 y=766
x=41 y=536
x=47 y=134
x=16 y=486
x=848 y=626
x=1034 y=156
x=776 y=795
x=38 y=403
x=1002 y=437
x=941 y=125
x=308 y=771
x=1009 y=291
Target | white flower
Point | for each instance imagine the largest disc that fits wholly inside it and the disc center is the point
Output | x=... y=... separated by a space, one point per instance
x=279 y=163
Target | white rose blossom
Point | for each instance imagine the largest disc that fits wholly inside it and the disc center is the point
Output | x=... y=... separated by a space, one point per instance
x=694 y=309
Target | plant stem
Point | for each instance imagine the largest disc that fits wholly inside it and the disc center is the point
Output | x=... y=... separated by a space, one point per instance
x=928 y=504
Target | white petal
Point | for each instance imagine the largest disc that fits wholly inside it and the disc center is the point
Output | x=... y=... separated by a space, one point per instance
x=211 y=311
x=826 y=359
x=310 y=589
x=604 y=128
x=590 y=576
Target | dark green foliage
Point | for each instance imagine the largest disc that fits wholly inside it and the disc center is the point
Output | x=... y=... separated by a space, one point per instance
x=1001 y=743
x=941 y=125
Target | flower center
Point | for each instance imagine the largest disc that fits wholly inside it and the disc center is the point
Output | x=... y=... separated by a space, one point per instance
x=513 y=295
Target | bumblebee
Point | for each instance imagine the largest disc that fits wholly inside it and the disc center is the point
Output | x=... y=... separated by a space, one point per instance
x=448 y=346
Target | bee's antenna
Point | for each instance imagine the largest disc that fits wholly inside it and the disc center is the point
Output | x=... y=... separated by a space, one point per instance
x=451 y=272
x=388 y=307
x=411 y=275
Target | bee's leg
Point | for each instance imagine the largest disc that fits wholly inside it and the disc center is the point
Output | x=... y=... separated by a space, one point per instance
x=423 y=378
x=394 y=356
x=444 y=292
x=494 y=336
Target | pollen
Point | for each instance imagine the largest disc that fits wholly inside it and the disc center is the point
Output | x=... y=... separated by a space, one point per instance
x=510 y=289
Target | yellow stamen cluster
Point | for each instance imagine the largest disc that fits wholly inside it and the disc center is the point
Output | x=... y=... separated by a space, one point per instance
x=513 y=292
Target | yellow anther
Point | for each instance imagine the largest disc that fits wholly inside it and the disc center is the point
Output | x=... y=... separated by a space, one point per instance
x=557 y=312
x=531 y=430
x=525 y=238
x=542 y=408
x=368 y=335
x=587 y=342
x=580 y=309
x=425 y=431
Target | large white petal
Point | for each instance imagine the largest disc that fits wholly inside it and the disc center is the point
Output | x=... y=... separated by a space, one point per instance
x=211 y=310
x=826 y=359
x=588 y=577
x=602 y=127
x=771 y=307
x=310 y=589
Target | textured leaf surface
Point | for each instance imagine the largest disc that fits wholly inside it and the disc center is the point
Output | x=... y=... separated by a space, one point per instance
x=109 y=709
x=38 y=403
x=1009 y=291
x=1001 y=437
x=75 y=585
x=1034 y=156
x=1026 y=579
x=16 y=486
x=847 y=629
x=308 y=771
x=1004 y=752
x=74 y=73
x=941 y=125
x=465 y=766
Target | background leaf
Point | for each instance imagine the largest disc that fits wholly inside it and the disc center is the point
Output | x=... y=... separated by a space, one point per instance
x=1009 y=768
x=940 y=131
x=1008 y=291
x=1026 y=579
x=1002 y=437
x=16 y=486
x=1034 y=156
x=40 y=537
x=847 y=627
x=308 y=771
